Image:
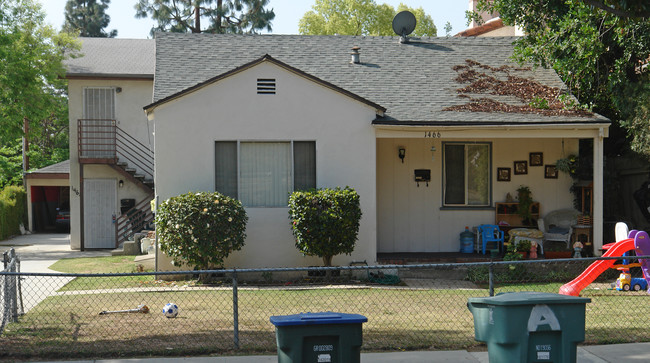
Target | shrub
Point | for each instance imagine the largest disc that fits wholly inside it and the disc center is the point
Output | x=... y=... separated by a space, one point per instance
x=201 y=229
x=325 y=222
x=12 y=210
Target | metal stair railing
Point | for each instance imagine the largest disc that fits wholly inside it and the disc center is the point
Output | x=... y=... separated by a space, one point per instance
x=134 y=152
x=103 y=139
x=134 y=220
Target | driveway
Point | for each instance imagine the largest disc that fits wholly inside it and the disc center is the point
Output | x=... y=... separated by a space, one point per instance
x=37 y=252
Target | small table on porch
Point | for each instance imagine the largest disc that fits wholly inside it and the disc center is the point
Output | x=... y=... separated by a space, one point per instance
x=520 y=234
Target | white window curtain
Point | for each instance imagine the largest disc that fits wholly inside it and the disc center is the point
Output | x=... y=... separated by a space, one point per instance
x=265 y=173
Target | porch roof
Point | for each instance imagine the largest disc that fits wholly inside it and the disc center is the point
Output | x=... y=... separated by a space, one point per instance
x=415 y=82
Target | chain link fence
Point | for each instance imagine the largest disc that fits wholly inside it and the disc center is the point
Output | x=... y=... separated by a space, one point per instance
x=409 y=307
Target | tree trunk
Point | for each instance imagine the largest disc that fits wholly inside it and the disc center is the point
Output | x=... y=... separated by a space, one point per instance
x=197 y=20
x=219 y=10
x=327 y=261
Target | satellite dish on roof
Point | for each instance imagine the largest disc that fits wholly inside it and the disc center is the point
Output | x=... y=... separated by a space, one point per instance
x=404 y=24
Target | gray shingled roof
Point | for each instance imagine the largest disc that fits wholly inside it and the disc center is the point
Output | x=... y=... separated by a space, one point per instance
x=58 y=168
x=110 y=57
x=414 y=81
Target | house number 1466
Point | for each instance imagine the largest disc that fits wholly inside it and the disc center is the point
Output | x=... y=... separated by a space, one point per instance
x=432 y=134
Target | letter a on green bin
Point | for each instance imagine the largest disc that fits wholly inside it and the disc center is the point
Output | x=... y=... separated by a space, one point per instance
x=542 y=315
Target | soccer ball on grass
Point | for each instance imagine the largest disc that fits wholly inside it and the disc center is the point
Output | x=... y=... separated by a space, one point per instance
x=170 y=310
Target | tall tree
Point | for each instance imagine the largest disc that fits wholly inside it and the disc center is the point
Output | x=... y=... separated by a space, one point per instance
x=222 y=16
x=603 y=57
x=32 y=85
x=88 y=18
x=359 y=17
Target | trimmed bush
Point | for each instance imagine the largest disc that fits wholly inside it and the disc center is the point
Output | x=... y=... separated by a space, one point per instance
x=201 y=229
x=325 y=222
x=12 y=210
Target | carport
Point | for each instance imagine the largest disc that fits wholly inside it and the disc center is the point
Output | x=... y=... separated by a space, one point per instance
x=48 y=190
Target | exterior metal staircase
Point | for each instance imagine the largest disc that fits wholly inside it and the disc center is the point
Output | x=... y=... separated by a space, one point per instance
x=103 y=142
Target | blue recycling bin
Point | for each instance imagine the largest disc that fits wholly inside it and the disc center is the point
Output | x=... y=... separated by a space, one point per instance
x=325 y=337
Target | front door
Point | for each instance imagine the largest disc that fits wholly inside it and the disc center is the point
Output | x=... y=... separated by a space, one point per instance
x=100 y=204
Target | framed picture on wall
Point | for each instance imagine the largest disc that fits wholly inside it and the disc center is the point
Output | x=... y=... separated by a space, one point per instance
x=521 y=167
x=503 y=174
x=536 y=159
x=550 y=172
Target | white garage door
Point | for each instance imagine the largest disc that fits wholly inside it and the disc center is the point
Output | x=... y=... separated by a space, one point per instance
x=100 y=204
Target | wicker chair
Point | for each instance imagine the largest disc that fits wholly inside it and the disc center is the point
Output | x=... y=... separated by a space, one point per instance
x=558 y=225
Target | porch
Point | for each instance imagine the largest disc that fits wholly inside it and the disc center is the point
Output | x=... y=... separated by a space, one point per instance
x=468 y=173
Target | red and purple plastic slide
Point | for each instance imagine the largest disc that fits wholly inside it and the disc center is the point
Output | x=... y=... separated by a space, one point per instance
x=640 y=242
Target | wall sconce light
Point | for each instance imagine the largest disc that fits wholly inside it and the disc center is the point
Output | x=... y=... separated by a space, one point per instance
x=118 y=89
x=433 y=151
x=401 y=152
x=120 y=183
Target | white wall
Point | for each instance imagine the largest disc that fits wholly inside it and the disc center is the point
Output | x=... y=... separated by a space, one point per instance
x=130 y=117
x=410 y=219
x=187 y=128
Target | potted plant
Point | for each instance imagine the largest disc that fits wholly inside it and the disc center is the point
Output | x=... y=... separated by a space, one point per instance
x=568 y=165
x=523 y=247
x=512 y=254
x=525 y=202
x=557 y=250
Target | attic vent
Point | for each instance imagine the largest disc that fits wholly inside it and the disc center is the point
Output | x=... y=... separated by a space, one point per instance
x=266 y=86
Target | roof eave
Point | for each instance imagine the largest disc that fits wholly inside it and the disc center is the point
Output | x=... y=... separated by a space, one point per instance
x=109 y=75
x=591 y=124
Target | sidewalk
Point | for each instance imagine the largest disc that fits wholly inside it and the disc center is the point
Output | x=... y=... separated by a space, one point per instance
x=619 y=353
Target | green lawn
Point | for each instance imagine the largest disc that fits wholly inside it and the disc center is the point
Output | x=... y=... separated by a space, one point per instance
x=101 y=265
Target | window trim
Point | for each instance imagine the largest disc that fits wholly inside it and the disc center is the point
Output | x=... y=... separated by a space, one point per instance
x=444 y=177
x=292 y=166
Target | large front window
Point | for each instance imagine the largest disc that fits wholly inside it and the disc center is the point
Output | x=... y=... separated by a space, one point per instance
x=467 y=174
x=262 y=174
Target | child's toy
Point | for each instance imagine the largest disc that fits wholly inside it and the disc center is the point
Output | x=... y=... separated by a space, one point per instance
x=144 y=309
x=170 y=310
x=626 y=283
x=638 y=240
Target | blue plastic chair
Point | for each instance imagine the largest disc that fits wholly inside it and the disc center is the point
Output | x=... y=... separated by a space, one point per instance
x=490 y=233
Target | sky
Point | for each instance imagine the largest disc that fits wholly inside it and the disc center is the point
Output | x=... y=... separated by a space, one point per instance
x=287 y=15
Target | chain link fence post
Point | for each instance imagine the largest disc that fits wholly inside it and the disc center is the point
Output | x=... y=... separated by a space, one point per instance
x=235 y=310
x=19 y=292
x=491 y=278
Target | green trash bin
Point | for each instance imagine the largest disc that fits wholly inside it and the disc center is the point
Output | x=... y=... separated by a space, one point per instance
x=529 y=326
x=326 y=337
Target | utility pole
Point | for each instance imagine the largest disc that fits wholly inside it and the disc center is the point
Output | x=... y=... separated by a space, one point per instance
x=25 y=145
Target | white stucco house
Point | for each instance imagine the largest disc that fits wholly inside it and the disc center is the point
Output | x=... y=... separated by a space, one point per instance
x=111 y=141
x=425 y=131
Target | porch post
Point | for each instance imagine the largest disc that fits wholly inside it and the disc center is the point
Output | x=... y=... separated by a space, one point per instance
x=598 y=192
